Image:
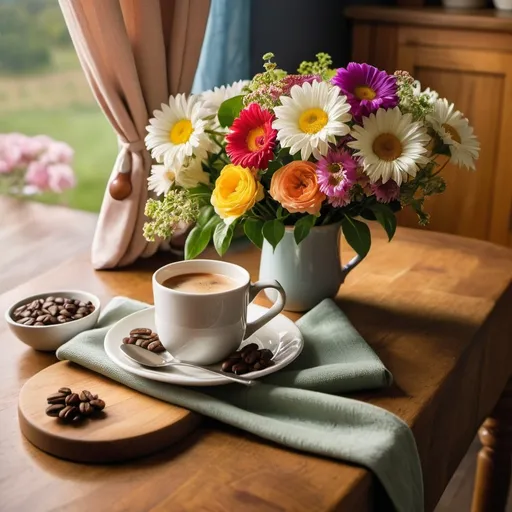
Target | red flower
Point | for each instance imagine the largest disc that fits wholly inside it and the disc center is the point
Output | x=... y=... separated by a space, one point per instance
x=252 y=139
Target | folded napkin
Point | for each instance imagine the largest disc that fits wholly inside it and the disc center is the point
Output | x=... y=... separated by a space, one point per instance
x=295 y=407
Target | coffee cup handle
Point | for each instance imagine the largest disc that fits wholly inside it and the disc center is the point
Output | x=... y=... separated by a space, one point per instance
x=276 y=308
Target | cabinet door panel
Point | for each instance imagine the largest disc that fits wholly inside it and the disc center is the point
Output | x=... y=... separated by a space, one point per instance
x=474 y=204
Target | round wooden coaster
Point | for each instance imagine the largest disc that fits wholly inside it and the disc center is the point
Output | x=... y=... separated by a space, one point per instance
x=133 y=424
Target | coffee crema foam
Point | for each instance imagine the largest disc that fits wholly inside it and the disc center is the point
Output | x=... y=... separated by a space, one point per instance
x=200 y=282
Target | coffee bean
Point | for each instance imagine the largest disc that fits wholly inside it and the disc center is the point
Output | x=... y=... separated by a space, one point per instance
x=248 y=348
x=140 y=330
x=87 y=396
x=72 y=399
x=139 y=342
x=126 y=340
x=77 y=316
x=257 y=366
x=40 y=318
x=235 y=355
x=68 y=413
x=56 y=398
x=240 y=368
x=145 y=343
x=70 y=307
x=82 y=304
x=86 y=408
x=51 y=298
x=54 y=409
x=53 y=310
x=64 y=390
x=266 y=354
x=142 y=336
x=53 y=320
x=29 y=321
x=39 y=324
x=227 y=366
x=252 y=357
x=58 y=300
x=65 y=313
x=21 y=320
x=82 y=311
x=61 y=319
x=156 y=346
x=98 y=404
x=67 y=300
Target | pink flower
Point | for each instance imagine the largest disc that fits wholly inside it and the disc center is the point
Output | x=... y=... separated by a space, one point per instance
x=60 y=177
x=387 y=192
x=58 y=152
x=38 y=176
x=336 y=173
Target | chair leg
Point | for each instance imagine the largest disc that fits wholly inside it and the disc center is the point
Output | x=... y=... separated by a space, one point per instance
x=494 y=459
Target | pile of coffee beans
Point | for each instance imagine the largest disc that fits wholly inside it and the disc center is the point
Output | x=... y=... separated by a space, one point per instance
x=145 y=338
x=248 y=359
x=73 y=407
x=52 y=310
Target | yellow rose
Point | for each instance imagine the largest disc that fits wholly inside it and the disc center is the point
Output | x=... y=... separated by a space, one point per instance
x=236 y=191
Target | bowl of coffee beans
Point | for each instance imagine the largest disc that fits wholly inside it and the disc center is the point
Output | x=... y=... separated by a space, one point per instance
x=47 y=320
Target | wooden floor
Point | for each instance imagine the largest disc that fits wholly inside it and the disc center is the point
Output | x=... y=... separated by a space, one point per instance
x=49 y=237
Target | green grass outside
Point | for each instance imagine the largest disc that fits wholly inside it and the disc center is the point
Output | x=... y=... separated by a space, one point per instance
x=88 y=132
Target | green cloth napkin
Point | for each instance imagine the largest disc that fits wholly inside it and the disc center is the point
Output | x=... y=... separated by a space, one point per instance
x=296 y=407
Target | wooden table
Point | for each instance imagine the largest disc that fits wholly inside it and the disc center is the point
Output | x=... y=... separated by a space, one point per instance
x=437 y=310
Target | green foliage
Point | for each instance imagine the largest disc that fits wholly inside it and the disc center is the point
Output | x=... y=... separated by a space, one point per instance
x=357 y=235
x=419 y=106
x=385 y=217
x=303 y=227
x=222 y=237
x=229 y=110
x=200 y=236
x=175 y=207
x=273 y=231
x=253 y=229
x=322 y=66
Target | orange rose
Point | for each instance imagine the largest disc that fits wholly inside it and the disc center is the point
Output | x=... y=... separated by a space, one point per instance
x=295 y=186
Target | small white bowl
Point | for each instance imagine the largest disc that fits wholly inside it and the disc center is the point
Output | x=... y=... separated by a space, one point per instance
x=51 y=337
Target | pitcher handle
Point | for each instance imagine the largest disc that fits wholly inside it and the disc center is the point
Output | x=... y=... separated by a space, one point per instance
x=275 y=309
x=351 y=265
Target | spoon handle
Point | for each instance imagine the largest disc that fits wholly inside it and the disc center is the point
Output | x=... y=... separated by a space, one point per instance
x=238 y=380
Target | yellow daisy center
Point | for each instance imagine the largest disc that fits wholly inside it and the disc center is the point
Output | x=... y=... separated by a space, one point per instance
x=387 y=146
x=181 y=131
x=170 y=175
x=363 y=92
x=452 y=132
x=313 y=120
x=255 y=139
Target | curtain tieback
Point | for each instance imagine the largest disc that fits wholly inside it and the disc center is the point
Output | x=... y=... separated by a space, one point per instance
x=121 y=186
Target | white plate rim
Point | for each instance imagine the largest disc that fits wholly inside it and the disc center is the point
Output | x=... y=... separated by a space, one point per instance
x=111 y=342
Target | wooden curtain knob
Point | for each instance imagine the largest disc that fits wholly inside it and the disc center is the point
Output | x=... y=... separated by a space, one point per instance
x=121 y=186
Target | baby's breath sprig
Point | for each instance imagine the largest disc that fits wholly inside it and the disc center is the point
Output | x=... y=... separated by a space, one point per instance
x=177 y=206
x=322 y=66
x=418 y=105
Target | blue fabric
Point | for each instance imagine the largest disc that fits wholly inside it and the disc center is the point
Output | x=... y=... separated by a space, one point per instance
x=225 y=53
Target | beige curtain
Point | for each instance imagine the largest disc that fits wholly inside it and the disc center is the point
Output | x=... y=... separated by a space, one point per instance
x=134 y=53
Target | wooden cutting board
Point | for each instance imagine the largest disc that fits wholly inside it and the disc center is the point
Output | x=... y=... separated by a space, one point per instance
x=132 y=424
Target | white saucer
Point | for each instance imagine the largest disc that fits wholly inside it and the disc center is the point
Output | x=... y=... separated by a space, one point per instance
x=279 y=328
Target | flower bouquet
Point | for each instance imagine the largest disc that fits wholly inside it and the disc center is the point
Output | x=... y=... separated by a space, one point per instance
x=32 y=165
x=288 y=152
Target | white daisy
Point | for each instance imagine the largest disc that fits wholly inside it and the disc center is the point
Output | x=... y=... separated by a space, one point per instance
x=391 y=145
x=177 y=131
x=192 y=174
x=161 y=179
x=431 y=94
x=454 y=130
x=311 y=118
x=214 y=98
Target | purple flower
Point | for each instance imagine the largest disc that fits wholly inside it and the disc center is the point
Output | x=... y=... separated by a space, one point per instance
x=367 y=88
x=336 y=173
x=387 y=192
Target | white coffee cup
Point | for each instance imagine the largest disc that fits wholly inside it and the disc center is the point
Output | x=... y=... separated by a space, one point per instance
x=204 y=328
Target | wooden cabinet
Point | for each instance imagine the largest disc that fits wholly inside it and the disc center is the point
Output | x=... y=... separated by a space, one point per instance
x=468 y=59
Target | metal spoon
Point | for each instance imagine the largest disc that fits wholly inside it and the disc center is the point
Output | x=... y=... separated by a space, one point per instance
x=144 y=357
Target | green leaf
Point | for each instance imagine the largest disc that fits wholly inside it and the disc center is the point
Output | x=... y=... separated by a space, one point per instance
x=200 y=190
x=206 y=213
x=357 y=235
x=197 y=241
x=253 y=230
x=385 y=217
x=229 y=110
x=273 y=231
x=303 y=227
x=222 y=237
x=274 y=166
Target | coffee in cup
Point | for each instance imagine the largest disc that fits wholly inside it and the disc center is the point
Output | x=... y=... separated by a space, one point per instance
x=201 y=308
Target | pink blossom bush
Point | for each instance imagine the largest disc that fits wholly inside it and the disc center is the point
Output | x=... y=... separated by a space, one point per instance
x=35 y=164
